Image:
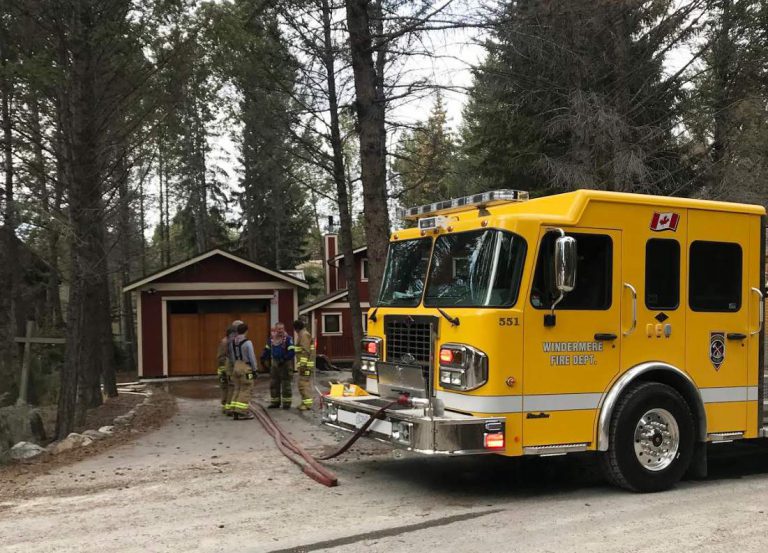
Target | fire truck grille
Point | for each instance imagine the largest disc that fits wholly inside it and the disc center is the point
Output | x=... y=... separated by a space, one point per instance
x=408 y=337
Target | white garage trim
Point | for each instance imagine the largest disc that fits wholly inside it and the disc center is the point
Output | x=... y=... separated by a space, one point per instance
x=164 y=322
x=139 y=333
x=194 y=286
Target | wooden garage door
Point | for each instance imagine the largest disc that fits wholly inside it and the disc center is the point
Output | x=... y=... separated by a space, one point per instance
x=193 y=339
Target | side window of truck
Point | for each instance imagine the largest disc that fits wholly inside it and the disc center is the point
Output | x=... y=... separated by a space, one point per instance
x=662 y=274
x=593 y=274
x=715 y=276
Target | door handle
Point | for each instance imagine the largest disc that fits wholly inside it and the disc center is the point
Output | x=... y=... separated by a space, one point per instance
x=634 y=308
x=736 y=336
x=761 y=311
x=605 y=336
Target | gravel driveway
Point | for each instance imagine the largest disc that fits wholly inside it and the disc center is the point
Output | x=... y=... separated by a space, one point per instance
x=203 y=482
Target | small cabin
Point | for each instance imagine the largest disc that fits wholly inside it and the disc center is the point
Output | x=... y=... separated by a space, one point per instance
x=183 y=311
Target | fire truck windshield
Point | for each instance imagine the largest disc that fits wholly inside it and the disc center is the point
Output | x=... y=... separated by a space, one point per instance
x=479 y=268
x=405 y=273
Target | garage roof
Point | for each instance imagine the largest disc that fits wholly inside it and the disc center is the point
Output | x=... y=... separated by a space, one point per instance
x=323 y=300
x=277 y=274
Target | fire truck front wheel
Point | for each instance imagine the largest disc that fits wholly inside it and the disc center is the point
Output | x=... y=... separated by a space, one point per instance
x=651 y=439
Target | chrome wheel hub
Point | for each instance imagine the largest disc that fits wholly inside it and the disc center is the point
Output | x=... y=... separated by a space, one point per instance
x=657 y=439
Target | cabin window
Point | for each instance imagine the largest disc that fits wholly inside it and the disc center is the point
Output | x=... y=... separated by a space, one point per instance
x=715 y=277
x=662 y=274
x=593 y=274
x=331 y=323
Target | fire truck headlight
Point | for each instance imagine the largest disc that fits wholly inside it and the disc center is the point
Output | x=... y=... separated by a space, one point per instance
x=462 y=367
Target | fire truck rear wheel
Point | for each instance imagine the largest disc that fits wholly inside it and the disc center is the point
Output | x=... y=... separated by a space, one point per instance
x=651 y=439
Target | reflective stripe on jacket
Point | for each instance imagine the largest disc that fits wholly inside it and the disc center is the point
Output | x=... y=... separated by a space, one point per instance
x=305 y=349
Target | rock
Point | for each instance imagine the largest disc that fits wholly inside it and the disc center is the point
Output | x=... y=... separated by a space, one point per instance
x=70 y=442
x=125 y=419
x=20 y=423
x=107 y=430
x=25 y=450
x=94 y=434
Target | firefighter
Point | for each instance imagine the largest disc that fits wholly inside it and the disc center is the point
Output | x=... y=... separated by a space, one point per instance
x=243 y=372
x=224 y=368
x=305 y=363
x=278 y=355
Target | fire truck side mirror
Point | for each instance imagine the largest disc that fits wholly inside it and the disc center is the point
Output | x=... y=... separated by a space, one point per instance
x=565 y=272
x=565 y=264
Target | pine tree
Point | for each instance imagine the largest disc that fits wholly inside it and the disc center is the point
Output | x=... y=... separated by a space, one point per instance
x=253 y=56
x=726 y=109
x=573 y=94
x=424 y=161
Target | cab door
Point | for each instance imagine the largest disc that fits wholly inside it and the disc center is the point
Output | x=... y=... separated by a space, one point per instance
x=567 y=365
x=655 y=265
x=718 y=315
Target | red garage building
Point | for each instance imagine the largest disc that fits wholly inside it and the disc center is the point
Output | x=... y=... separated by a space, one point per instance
x=182 y=311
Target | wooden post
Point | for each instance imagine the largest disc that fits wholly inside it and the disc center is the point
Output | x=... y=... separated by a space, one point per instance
x=25 y=362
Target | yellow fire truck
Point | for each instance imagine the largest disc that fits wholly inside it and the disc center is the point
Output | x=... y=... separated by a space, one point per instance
x=623 y=324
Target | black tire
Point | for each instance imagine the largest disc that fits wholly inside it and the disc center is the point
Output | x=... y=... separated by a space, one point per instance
x=621 y=464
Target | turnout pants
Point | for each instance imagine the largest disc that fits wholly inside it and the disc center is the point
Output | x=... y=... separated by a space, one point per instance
x=227 y=386
x=243 y=384
x=280 y=383
x=305 y=385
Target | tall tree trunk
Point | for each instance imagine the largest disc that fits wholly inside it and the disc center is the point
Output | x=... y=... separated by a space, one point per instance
x=51 y=208
x=370 y=119
x=722 y=65
x=88 y=333
x=143 y=221
x=166 y=230
x=165 y=234
x=8 y=231
x=339 y=178
x=54 y=230
x=124 y=238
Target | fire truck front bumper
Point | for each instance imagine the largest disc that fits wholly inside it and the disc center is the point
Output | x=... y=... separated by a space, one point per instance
x=413 y=429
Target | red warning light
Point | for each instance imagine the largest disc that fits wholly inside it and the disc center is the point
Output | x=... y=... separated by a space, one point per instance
x=494 y=441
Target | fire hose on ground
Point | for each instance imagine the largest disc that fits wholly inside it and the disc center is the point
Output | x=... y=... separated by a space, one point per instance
x=309 y=464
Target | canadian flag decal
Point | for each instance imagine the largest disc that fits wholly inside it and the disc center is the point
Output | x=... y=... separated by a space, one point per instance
x=664 y=221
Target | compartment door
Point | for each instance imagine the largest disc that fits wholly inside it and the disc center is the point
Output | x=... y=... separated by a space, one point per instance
x=718 y=315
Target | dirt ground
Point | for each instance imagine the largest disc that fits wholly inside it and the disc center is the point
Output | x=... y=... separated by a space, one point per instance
x=15 y=477
x=202 y=482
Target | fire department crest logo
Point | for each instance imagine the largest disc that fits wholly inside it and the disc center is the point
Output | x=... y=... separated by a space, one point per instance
x=664 y=221
x=717 y=349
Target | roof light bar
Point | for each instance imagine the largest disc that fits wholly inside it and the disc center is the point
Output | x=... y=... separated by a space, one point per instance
x=484 y=199
x=431 y=223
